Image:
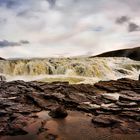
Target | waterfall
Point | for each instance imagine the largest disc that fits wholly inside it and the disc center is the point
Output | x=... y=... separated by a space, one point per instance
x=82 y=69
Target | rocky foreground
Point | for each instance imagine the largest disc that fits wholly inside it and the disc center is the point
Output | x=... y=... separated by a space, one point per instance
x=113 y=106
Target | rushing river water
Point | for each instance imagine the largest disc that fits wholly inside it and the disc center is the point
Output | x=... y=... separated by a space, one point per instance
x=74 y=70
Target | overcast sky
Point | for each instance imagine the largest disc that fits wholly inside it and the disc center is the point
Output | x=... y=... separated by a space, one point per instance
x=44 y=28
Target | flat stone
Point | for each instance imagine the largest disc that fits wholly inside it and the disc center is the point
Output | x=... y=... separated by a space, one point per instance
x=105 y=120
x=58 y=95
x=127 y=104
x=106 y=87
x=112 y=97
x=129 y=93
x=114 y=110
x=132 y=109
x=132 y=115
x=78 y=97
x=88 y=107
x=128 y=98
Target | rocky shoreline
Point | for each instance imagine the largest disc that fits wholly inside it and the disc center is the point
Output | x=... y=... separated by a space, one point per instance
x=111 y=105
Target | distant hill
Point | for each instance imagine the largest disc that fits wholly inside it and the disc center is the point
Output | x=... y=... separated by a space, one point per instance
x=133 y=53
x=2 y=58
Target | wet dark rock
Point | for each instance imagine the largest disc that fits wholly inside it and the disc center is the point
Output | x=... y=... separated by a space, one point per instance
x=59 y=112
x=111 y=98
x=136 y=109
x=113 y=110
x=135 y=116
x=14 y=130
x=107 y=87
x=129 y=93
x=105 y=120
x=127 y=104
x=20 y=101
x=78 y=97
x=58 y=95
x=2 y=78
x=69 y=103
x=122 y=71
x=129 y=98
x=36 y=99
x=3 y=113
x=54 y=96
x=88 y=107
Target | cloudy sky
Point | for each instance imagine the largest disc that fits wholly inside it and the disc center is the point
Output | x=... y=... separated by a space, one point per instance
x=44 y=28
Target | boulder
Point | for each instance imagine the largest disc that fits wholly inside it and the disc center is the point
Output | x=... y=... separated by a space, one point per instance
x=59 y=112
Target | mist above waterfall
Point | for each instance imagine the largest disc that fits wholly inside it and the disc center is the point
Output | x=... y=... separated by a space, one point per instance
x=67 y=27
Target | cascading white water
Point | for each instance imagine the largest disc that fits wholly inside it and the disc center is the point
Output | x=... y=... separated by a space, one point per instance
x=74 y=70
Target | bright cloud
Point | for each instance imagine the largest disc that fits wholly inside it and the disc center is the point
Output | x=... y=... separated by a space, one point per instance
x=67 y=27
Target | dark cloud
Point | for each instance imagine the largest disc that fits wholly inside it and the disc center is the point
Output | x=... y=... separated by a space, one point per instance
x=52 y=3
x=122 y=19
x=23 y=13
x=133 y=27
x=9 y=3
x=6 y=43
x=24 y=42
